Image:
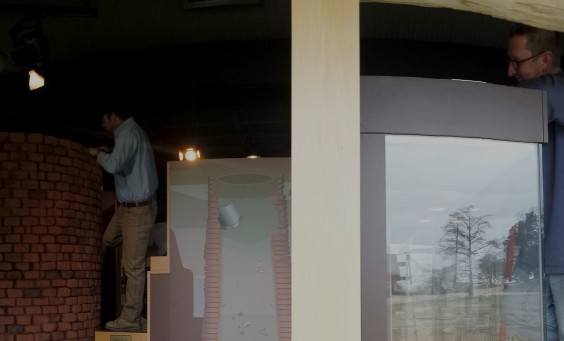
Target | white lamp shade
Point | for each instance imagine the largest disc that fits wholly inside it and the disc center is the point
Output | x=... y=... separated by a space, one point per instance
x=35 y=80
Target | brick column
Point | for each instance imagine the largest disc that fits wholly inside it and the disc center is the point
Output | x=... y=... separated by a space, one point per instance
x=50 y=242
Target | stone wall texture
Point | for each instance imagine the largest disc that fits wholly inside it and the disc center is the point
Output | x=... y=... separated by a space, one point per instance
x=50 y=239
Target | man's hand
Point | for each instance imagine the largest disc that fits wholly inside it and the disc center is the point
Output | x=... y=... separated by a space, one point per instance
x=97 y=150
x=93 y=151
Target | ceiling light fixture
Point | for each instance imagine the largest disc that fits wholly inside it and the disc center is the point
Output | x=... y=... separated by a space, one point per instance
x=189 y=154
x=253 y=156
x=35 y=80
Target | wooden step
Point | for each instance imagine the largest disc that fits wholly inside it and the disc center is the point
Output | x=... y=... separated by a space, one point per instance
x=106 y=335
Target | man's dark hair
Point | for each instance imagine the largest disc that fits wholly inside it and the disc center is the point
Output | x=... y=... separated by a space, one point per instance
x=123 y=114
x=539 y=40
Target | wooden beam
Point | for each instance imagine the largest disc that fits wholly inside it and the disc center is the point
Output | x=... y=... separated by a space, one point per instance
x=547 y=14
x=325 y=170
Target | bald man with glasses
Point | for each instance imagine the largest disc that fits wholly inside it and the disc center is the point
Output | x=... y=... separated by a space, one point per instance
x=534 y=60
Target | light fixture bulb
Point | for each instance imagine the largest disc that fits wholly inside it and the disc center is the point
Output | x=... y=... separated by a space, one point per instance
x=253 y=156
x=35 y=80
x=189 y=154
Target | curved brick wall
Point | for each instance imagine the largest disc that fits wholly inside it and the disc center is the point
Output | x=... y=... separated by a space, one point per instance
x=50 y=242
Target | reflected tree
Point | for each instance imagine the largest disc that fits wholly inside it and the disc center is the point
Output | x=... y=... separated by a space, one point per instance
x=527 y=241
x=463 y=239
x=491 y=269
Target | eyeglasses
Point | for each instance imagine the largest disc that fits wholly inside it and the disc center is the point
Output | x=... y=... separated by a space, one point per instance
x=517 y=63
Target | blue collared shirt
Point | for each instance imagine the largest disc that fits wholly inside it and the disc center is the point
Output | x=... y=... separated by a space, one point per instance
x=131 y=162
x=553 y=170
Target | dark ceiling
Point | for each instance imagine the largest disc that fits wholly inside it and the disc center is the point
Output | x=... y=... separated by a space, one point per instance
x=216 y=76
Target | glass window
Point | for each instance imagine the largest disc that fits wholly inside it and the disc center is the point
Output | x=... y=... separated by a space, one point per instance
x=462 y=239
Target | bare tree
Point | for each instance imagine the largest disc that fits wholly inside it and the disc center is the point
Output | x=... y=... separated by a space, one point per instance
x=491 y=269
x=464 y=238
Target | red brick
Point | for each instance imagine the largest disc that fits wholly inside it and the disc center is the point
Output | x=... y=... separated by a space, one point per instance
x=23 y=267
x=46 y=204
x=51 y=140
x=31 y=274
x=13 y=257
x=19 y=174
x=12 y=203
x=15 y=293
x=63 y=292
x=49 y=292
x=30 y=203
x=64 y=326
x=45 y=185
x=22 y=248
x=10 y=165
x=5 y=320
x=31 y=310
x=35 y=138
x=40 y=319
x=20 y=212
x=35 y=157
x=5 y=285
x=49 y=327
x=13 y=239
x=12 y=221
x=8 y=302
x=61 y=151
x=23 y=319
x=16 y=137
x=31 y=238
x=28 y=221
x=62 y=204
x=16 y=311
x=47 y=239
x=36 y=193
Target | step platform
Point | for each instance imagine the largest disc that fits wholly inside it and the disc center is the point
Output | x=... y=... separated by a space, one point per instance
x=108 y=335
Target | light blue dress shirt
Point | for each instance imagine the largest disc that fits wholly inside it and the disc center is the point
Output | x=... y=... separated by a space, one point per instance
x=131 y=162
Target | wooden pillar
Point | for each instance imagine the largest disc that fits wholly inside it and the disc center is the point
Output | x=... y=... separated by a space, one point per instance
x=325 y=170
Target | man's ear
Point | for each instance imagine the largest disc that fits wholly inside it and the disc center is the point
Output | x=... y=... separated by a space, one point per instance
x=547 y=58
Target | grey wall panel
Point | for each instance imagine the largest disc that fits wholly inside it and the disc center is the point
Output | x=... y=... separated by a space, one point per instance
x=374 y=277
x=440 y=107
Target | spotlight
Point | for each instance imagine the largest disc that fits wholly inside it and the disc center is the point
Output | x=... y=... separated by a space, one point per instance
x=189 y=154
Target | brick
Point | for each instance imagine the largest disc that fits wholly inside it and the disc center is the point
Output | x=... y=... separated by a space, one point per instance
x=46 y=204
x=16 y=137
x=36 y=193
x=70 y=317
x=32 y=310
x=12 y=203
x=51 y=140
x=9 y=165
x=40 y=319
x=30 y=184
x=19 y=174
x=23 y=319
x=20 y=193
x=46 y=185
x=20 y=212
x=35 y=157
x=28 y=274
x=34 y=138
x=30 y=203
x=28 y=221
x=47 y=239
x=12 y=221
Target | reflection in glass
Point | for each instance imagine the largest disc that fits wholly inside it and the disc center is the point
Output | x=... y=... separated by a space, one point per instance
x=463 y=239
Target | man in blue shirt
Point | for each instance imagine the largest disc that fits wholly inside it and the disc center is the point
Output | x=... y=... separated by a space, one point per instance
x=534 y=60
x=133 y=165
